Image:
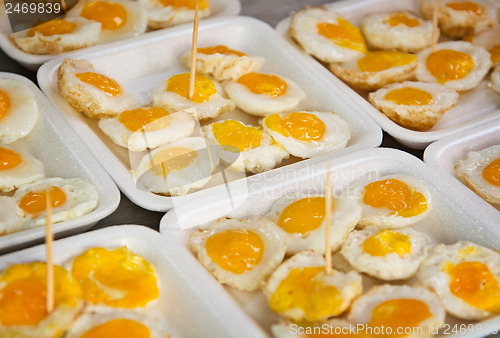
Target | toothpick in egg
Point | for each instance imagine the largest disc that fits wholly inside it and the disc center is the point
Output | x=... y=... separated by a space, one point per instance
x=328 y=220
x=49 y=239
x=193 y=52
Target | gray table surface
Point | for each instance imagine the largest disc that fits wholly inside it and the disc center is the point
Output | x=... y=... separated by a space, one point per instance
x=269 y=11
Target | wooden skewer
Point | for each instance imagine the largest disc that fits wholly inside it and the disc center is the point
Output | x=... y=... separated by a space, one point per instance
x=328 y=221
x=193 y=52
x=49 y=239
x=435 y=25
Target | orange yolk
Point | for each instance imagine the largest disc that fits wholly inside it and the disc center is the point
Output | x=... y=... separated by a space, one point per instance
x=495 y=54
x=402 y=19
x=144 y=118
x=111 y=15
x=4 y=104
x=381 y=60
x=468 y=6
x=447 y=64
x=172 y=159
x=491 y=172
x=34 y=202
x=409 y=96
x=236 y=251
x=343 y=34
x=268 y=84
x=204 y=88
x=474 y=283
x=234 y=133
x=53 y=27
x=220 y=49
x=9 y=158
x=386 y=242
x=130 y=277
x=304 y=289
x=303 y=215
x=301 y=126
x=395 y=196
x=101 y=82
x=118 y=328
x=189 y=4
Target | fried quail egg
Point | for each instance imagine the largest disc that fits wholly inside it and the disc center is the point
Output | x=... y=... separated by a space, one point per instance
x=18 y=110
x=414 y=105
x=495 y=79
x=376 y=69
x=166 y=13
x=455 y=64
x=178 y=167
x=70 y=198
x=18 y=167
x=400 y=307
x=240 y=253
x=90 y=92
x=147 y=127
x=115 y=277
x=386 y=254
x=245 y=147
x=58 y=35
x=489 y=39
x=119 y=19
x=306 y=133
x=223 y=63
x=327 y=36
x=393 y=201
x=209 y=99
x=466 y=276
x=262 y=94
x=481 y=172
x=12 y=219
x=332 y=327
x=300 y=289
x=23 y=302
x=303 y=220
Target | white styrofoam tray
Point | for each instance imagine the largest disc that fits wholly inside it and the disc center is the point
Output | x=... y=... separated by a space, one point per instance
x=443 y=155
x=190 y=303
x=143 y=64
x=453 y=216
x=474 y=107
x=219 y=9
x=63 y=154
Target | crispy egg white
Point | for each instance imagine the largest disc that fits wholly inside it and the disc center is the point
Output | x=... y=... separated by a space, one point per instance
x=12 y=219
x=488 y=39
x=495 y=79
x=18 y=167
x=166 y=13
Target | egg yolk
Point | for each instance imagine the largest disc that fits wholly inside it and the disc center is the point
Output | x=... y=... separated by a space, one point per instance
x=378 y=61
x=303 y=215
x=34 y=202
x=395 y=196
x=53 y=27
x=9 y=158
x=23 y=296
x=116 y=277
x=4 y=104
x=172 y=159
x=343 y=34
x=118 y=328
x=144 y=118
x=189 y=4
x=409 y=96
x=267 y=84
x=495 y=54
x=447 y=64
x=234 y=133
x=101 y=82
x=468 y=6
x=491 y=173
x=220 y=49
x=236 y=251
x=402 y=19
x=304 y=289
x=111 y=15
x=474 y=283
x=386 y=242
x=300 y=126
x=204 y=88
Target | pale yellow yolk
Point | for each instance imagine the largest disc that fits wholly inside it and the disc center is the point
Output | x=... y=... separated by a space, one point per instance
x=409 y=96
x=220 y=49
x=402 y=19
x=101 y=82
x=111 y=15
x=448 y=64
x=234 y=133
x=303 y=215
x=303 y=289
x=204 y=88
x=343 y=34
x=386 y=242
x=9 y=158
x=301 y=126
x=132 y=279
x=23 y=298
x=172 y=159
x=474 y=283
x=468 y=6
x=495 y=54
x=236 y=251
x=144 y=118
x=4 y=104
x=381 y=60
x=34 y=202
x=53 y=27
x=189 y=4
x=491 y=172
x=395 y=196
x=268 y=84
x=118 y=328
